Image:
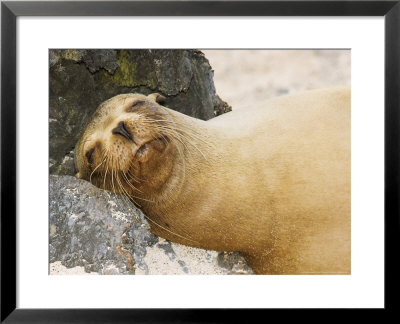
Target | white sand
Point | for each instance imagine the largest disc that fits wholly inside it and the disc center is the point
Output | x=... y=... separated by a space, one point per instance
x=56 y=268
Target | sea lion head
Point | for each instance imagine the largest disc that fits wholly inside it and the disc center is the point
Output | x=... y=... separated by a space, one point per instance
x=127 y=147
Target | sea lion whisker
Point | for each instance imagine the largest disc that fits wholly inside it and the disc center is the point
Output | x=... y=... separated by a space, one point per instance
x=124 y=193
x=171 y=232
x=132 y=197
x=90 y=177
x=104 y=191
x=136 y=197
x=121 y=194
x=129 y=183
x=112 y=174
x=117 y=182
x=135 y=178
x=191 y=134
x=174 y=123
x=105 y=176
x=181 y=154
x=164 y=138
x=175 y=135
x=180 y=139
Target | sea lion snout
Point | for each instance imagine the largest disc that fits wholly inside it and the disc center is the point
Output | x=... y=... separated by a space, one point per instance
x=121 y=130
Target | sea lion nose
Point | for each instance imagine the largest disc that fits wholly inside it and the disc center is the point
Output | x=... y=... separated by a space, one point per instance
x=121 y=130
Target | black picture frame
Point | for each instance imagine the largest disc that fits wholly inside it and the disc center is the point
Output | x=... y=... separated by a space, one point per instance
x=11 y=10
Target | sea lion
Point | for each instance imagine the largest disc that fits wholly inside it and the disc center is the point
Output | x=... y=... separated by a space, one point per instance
x=271 y=181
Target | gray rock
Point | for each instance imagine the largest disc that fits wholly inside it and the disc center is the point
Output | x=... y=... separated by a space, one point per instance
x=103 y=233
x=93 y=228
x=81 y=79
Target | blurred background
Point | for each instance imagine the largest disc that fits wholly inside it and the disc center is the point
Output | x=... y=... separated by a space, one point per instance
x=244 y=76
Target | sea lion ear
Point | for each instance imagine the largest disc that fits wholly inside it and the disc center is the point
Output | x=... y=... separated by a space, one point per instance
x=157 y=98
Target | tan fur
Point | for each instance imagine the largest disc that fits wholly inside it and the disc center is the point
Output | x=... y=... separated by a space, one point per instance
x=271 y=181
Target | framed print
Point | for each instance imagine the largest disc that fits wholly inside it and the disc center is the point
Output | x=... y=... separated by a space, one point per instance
x=75 y=56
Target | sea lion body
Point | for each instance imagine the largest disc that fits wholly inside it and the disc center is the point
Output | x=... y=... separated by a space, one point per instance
x=271 y=181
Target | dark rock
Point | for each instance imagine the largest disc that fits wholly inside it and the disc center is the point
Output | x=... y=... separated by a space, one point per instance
x=81 y=79
x=104 y=59
x=66 y=166
x=233 y=262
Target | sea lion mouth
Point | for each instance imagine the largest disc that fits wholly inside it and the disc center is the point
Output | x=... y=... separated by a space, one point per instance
x=143 y=148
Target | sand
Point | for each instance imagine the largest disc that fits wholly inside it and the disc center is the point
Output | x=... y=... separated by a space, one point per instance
x=242 y=77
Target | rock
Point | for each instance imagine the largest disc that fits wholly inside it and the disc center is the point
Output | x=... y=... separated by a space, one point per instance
x=66 y=166
x=92 y=228
x=81 y=79
x=102 y=233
